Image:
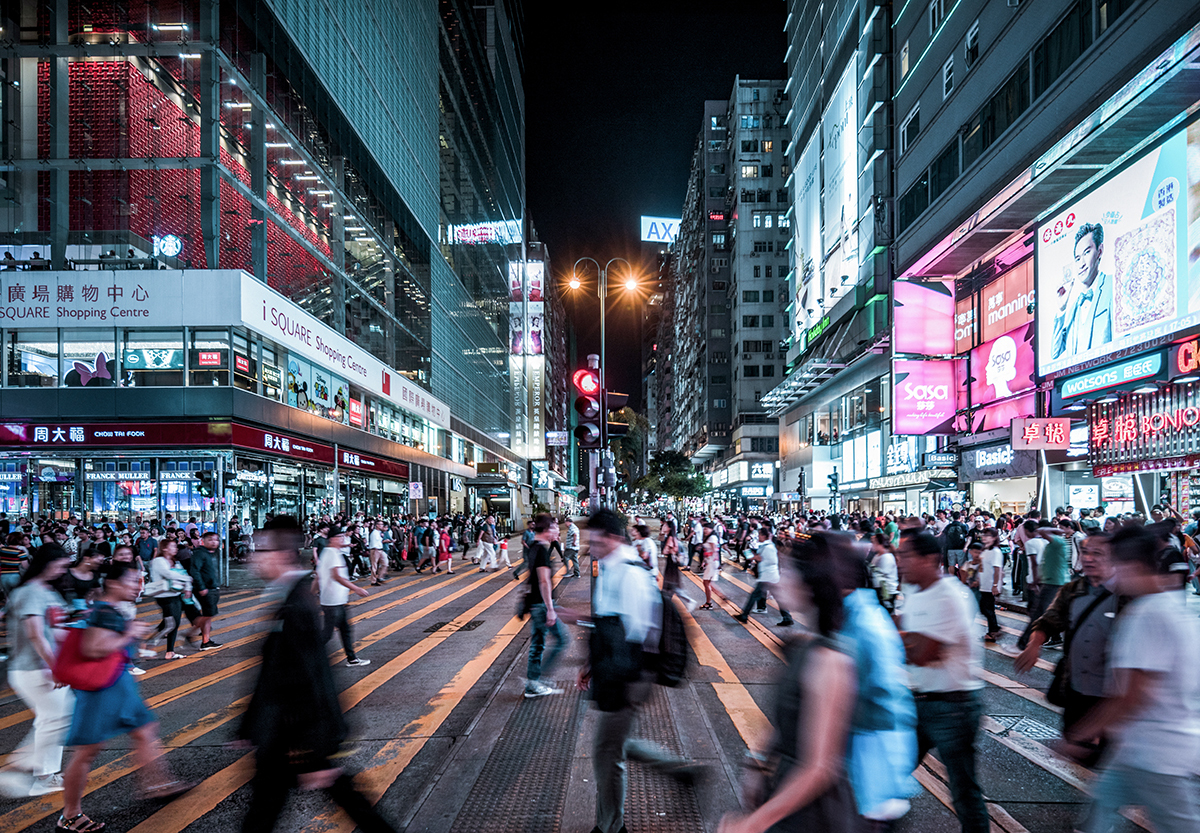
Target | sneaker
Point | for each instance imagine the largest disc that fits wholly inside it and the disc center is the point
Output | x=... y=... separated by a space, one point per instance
x=741 y=617
x=46 y=784
x=358 y=661
x=209 y=645
x=785 y=623
x=146 y=653
x=536 y=688
x=575 y=574
x=135 y=671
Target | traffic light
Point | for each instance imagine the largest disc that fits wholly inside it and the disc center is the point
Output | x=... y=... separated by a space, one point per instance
x=207 y=481
x=833 y=482
x=614 y=401
x=587 y=405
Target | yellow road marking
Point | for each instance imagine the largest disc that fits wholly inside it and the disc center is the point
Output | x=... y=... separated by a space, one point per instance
x=759 y=631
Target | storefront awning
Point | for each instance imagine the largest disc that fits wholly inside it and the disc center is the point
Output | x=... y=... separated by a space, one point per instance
x=824 y=363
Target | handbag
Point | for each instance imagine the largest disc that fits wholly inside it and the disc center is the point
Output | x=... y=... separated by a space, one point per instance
x=83 y=673
x=1060 y=684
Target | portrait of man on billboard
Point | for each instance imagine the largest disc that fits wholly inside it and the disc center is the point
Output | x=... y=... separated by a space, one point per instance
x=1083 y=320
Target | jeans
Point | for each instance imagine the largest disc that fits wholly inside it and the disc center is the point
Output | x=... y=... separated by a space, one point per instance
x=537 y=665
x=987 y=606
x=1171 y=801
x=52 y=709
x=335 y=617
x=759 y=594
x=571 y=561
x=613 y=745
x=951 y=727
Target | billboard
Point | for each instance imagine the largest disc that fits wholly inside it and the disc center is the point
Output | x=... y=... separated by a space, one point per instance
x=807 y=223
x=965 y=324
x=839 y=132
x=659 y=229
x=924 y=317
x=1003 y=366
x=1006 y=301
x=1001 y=414
x=923 y=396
x=1113 y=268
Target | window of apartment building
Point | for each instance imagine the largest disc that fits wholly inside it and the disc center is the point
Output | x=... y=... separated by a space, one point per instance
x=784 y=220
x=910 y=128
x=718 y=238
x=720 y=403
x=904 y=60
x=718 y=263
x=716 y=193
x=717 y=332
x=764 y=444
x=768 y=146
x=1000 y=111
x=767 y=122
x=1110 y=10
x=750 y=122
x=748 y=195
x=764 y=195
x=756 y=220
x=784 y=169
x=768 y=295
x=768 y=370
x=758 y=271
x=768 y=320
x=752 y=346
x=943 y=171
x=768 y=219
x=716 y=309
x=937 y=15
x=717 y=380
x=972 y=45
x=913 y=203
x=1065 y=43
x=719 y=286
x=947 y=77
x=749 y=145
x=720 y=357
x=754 y=92
x=764 y=245
x=750 y=321
x=758 y=396
x=717 y=169
x=716 y=146
x=768 y=170
x=781 y=195
x=769 y=271
x=749 y=171
x=750 y=371
x=717 y=123
x=750 y=296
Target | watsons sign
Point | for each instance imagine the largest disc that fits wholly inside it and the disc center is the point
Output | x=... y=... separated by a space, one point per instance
x=1112 y=376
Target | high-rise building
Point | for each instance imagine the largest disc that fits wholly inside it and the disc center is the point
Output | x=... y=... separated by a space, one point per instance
x=263 y=238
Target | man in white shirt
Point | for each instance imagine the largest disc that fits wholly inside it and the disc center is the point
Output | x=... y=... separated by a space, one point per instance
x=944 y=656
x=333 y=579
x=1152 y=715
x=378 y=557
x=767 y=557
x=570 y=542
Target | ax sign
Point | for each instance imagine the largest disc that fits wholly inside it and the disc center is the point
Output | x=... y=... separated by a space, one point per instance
x=659 y=229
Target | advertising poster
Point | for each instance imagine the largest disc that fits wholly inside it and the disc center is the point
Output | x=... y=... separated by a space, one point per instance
x=924 y=317
x=923 y=396
x=965 y=326
x=1003 y=366
x=1113 y=268
x=535 y=331
x=299 y=382
x=839 y=132
x=807 y=223
x=1005 y=302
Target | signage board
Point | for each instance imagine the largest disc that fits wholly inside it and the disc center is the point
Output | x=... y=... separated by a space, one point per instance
x=241 y=364
x=940 y=460
x=839 y=133
x=150 y=358
x=806 y=221
x=1113 y=268
x=557 y=439
x=1111 y=377
x=1003 y=366
x=116 y=476
x=659 y=229
x=966 y=324
x=209 y=359
x=1004 y=303
x=760 y=471
x=754 y=491
x=1042 y=433
x=923 y=396
x=356 y=413
x=271 y=376
x=456 y=484
x=416 y=490
x=912 y=478
x=997 y=462
x=502 y=232
x=923 y=317
x=1184 y=359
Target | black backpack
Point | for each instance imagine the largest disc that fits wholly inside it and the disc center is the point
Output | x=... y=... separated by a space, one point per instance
x=956 y=538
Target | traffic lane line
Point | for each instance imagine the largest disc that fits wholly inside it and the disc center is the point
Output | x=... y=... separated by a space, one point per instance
x=931 y=774
x=126 y=764
x=1033 y=695
x=216 y=788
x=200 y=683
x=765 y=637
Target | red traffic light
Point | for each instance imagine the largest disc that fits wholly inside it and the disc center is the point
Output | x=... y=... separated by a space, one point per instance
x=587 y=381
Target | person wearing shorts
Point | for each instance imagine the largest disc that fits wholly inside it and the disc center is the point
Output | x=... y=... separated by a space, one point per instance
x=203 y=570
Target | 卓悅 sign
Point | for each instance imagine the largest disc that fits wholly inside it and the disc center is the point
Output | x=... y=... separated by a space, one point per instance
x=1041 y=433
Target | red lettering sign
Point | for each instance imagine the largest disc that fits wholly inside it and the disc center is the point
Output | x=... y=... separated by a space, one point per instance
x=1185 y=358
x=208 y=358
x=356 y=413
x=241 y=363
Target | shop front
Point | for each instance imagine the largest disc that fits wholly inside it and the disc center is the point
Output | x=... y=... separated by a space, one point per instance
x=1000 y=479
x=913 y=492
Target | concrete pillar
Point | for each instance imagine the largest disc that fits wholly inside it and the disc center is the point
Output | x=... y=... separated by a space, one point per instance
x=60 y=141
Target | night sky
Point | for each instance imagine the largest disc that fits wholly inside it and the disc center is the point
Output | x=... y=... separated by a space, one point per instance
x=615 y=96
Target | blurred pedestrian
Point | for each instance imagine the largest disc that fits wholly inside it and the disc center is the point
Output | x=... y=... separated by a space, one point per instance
x=335 y=587
x=294 y=720
x=799 y=782
x=205 y=587
x=766 y=556
x=539 y=603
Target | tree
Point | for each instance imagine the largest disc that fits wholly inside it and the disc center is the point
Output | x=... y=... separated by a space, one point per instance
x=628 y=451
x=671 y=473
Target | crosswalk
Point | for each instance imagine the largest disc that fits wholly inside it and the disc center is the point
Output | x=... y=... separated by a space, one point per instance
x=438 y=646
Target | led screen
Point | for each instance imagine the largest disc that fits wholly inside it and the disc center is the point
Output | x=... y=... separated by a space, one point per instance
x=924 y=317
x=1003 y=366
x=1113 y=268
x=923 y=394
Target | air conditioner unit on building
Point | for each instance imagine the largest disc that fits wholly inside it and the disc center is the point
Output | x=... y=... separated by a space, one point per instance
x=747 y=357
x=770 y=355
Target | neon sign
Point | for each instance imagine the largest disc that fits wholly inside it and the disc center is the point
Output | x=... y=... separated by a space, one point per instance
x=1125 y=428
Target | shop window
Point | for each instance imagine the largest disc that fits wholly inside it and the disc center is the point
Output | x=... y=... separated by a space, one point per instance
x=208 y=357
x=32 y=358
x=89 y=358
x=272 y=375
x=245 y=366
x=152 y=358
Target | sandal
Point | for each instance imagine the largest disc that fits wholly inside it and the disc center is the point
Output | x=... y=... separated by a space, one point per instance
x=79 y=824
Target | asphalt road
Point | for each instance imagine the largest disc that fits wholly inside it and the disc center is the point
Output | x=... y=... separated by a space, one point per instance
x=443 y=740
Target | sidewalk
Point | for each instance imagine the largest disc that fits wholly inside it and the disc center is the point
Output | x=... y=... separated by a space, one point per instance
x=525 y=766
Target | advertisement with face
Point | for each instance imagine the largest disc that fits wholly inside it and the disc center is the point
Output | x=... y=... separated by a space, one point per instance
x=923 y=395
x=1003 y=366
x=924 y=317
x=1112 y=268
x=839 y=130
x=807 y=222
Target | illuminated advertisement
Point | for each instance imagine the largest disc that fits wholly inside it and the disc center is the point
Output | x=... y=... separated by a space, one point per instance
x=965 y=325
x=1001 y=414
x=477 y=234
x=924 y=317
x=1113 y=268
x=807 y=223
x=923 y=396
x=1003 y=366
x=1005 y=302
x=839 y=131
x=659 y=229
